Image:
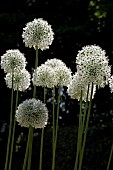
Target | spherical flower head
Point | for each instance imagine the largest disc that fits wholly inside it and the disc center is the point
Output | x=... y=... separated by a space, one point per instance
x=93 y=63
x=33 y=113
x=13 y=60
x=63 y=75
x=38 y=33
x=44 y=76
x=111 y=84
x=77 y=85
x=21 y=80
x=54 y=63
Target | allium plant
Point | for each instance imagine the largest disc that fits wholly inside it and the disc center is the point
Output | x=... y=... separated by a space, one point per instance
x=13 y=60
x=38 y=33
x=93 y=70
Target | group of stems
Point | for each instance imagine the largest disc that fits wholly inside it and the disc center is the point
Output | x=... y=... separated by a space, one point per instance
x=82 y=129
x=12 y=125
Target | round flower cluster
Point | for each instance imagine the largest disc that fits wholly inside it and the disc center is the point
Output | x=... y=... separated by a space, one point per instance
x=111 y=83
x=21 y=80
x=44 y=76
x=33 y=113
x=54 y=63
x=51 y=74
x=77 y=85
x=13 y=60
x=93 y=64
x=38 y=33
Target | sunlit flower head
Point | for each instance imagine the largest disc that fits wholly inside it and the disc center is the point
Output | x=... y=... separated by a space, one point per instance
x=54 y=62
x=77 y=85
x=13 y=60
x=63 y=75
x=111 y=84
x=93 y=63
x=33 y=113
x=38 y=33
x=44 y=76
x=21 y=80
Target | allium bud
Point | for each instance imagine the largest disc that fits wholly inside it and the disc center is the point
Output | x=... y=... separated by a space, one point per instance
x=33 y=113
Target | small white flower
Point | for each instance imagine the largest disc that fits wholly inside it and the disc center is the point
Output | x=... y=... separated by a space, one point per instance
x=21 y=80
x=77 y=85
x=92 y=62
x=44 y=76
x=38 y=33
x=33 y=113
x=111 y=83
x=13 y=60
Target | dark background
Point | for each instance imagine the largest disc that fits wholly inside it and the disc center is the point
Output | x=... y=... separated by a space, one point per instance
x=76 y=23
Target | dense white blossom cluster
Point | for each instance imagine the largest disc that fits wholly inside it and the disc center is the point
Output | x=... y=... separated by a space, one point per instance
x=92 y=62
x=38 y=33
x=21 y=80
x=13 y=60
x=77 y=85
x=33 y=113
x=52 y=73
x=44 y=76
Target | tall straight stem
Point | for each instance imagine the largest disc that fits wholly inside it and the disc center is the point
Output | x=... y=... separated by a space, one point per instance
x=42 y=137
x=13 y=133
x=110 y=157
x=28 y=152
x=56 y=131
x=53 y=135
x=86 y=128
x=79 y=134
x=10 y=127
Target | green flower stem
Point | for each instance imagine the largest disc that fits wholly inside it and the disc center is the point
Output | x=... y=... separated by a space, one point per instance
x=79 y=134
x=28 y=152
x=10 y=127
x=86 y=129
x=53 y=94
x=110 y=157
x=56 y=131
x=42 y=137
x=30 y=147
x=13 y=133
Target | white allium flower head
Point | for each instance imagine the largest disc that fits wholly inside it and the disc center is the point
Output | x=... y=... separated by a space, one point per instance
x=62 y=72
x=33 y=113
x=93 y=63
x=54 y=62
x=111 y=84
x=44 y=76
x=77 y=84
x=13 y=60
x=38 y=33
x=21 y=80
x=63 y=75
